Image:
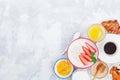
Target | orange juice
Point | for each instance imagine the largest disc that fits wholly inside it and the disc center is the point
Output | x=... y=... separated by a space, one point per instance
x=64 y=68
x=96 y=32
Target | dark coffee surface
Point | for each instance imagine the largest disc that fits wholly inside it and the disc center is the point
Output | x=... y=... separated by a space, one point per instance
x=110 y=48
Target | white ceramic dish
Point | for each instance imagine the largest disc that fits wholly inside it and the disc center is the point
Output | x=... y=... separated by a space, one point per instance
x=74 y=50
x=106 y=57
x=80 y=75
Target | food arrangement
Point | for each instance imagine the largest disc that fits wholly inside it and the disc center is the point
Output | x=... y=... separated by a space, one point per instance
x=96 y=57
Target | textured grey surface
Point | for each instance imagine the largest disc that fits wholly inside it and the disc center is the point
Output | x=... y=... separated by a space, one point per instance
x=34 y=32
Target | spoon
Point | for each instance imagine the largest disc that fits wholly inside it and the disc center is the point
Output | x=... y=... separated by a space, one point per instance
x=100 y=69
x=75 y=36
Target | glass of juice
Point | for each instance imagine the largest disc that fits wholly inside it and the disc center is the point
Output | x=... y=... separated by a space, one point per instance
x=96 y=32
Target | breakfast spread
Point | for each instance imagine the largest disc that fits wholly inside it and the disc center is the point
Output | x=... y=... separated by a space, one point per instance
x=91 y=57
x=63 y=68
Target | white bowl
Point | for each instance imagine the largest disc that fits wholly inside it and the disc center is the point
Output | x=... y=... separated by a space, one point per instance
x=80 y=75
x=74 y=50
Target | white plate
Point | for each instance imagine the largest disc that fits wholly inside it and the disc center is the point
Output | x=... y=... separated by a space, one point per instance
x=109 y=58
x=80 y=75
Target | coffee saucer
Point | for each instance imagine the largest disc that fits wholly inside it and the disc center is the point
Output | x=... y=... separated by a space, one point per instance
x=109 y=48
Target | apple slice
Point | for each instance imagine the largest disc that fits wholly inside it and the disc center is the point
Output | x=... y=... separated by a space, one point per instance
x=83 y=60
x=86 y=50
x=88 y=58
x=92 y=49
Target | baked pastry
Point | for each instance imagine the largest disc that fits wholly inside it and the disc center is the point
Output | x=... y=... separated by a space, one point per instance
x=112 y=26
x=115 y=72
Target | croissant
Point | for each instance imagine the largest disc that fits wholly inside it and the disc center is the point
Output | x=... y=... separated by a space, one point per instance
x=112 y=26
x=115 y=74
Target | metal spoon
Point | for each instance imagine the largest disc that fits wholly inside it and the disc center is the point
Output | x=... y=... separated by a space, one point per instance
x=75 y=36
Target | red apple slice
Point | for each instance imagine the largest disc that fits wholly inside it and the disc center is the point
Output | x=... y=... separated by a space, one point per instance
x=88 y=58
x=86 y=50
x=83 y=60
x=92 y=49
